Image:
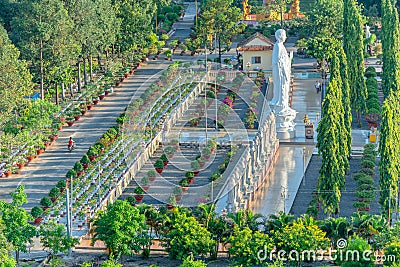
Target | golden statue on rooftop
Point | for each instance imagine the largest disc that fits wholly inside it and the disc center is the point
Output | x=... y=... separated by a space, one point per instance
x=246 y=9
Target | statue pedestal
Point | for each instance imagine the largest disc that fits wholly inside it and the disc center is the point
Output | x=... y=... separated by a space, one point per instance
x=285 y=123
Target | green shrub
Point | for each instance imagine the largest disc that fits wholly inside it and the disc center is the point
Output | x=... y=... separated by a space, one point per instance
x=368 y=163
x=190 y=262
x=370 y=72
x=138 y=190
x=71 y=174
x=359 y=176
x=46 y=202
x=392 y=250
x=54 y=192
x=374 y=111
x=371 y=82
x=159 y=164
x=360 y=245
x=61 y=184
x=367 y=171
x=78 y=167
x=365 y=180
x=85 y=159
x=368 y=157
x=36 y=212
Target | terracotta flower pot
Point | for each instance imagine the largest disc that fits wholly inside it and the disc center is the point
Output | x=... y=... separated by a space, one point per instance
x=101 y=97
x=91 y=158
x=70 y=123
x=83 y=111
x=165 y=163
x=159 y=170
x=95 y=102
x=106 y=92
x=85 y=166
x=139 y=198
x=38 y=220
x=20 y=165
x=152 y=179
x=190 y=180
x=145 y=187
x=89 y=107
x=77 y=117
x=178 y=198
x=196 y=173
x=185 y=189
x=8 y=173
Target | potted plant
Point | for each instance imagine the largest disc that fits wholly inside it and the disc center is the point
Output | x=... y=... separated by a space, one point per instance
x=175 y=143
x=139 y=193
x=85 y=161
x=171 y=202
x=195 y=165
x=78 y=168
x=206 y=152
x=361 y=206
x=144 y=182
x=71 y=174
x=159 y=166
x=216 y=175
x=194 y=121
x=168 y=54
x=212 y=145
x=164 y=158
x=36 y=213
x=372 y=119
x=131 y=200
x=169 y=150
x=184 y=184
x=53 y=194
x=201 y=161
x=92 y=153
x=46 y=203
x=250 y=118
x=178 y=192
x=190 y=177
x=152 y=174
x=61 y=185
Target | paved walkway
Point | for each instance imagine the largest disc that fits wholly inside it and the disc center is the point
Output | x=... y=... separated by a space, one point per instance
x=45 y=171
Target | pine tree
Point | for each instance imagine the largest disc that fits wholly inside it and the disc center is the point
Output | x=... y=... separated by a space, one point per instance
x=353 y=44
x=389 y=149
x=390 y=45
x=331 y=174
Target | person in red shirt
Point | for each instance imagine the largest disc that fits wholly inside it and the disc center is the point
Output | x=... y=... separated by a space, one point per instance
x=70 y=143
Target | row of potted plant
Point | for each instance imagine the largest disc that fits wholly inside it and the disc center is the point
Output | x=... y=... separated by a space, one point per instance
x=364 y=178
x=373 y=103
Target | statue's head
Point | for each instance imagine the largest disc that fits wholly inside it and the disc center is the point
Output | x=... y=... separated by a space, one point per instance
x=280 y=35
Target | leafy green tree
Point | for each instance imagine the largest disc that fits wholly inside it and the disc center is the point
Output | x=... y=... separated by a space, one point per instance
x=17 y=83
x=279 y=221
x=367 y=226
x=353 y=45
x=246 y=246
x=343 y=111
x=122 y=228
x=390 y=44
x=325 y=19
x=389 y=149
x=43 y=32
x=53 y=236
x=392 y=250
x=186 y=236
x=136 y=17
x=348 y=117
x=302 y=235
x=331 y=175
x=5 y=249
x=16 y=220
x=219 y=18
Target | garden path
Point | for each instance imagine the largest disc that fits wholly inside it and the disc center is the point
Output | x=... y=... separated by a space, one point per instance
x=45 y=171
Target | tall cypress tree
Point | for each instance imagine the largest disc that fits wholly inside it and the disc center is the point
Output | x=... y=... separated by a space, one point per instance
x=331 y=174
x=345 y=98
x=389 y=149
x=390 y=47
x=353 y=44
x=343 y=132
